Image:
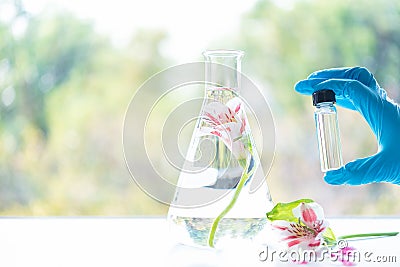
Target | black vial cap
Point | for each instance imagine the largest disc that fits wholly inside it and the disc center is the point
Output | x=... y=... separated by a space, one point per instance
x=322 y=96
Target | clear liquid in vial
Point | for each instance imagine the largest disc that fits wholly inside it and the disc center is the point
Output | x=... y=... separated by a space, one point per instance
x=328 y=138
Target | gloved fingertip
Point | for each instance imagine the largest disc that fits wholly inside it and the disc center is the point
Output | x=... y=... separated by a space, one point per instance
x=306 y=87
x=336 y=177
x=300 y=86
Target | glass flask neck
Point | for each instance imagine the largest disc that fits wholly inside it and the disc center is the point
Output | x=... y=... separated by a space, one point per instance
x=223 y=69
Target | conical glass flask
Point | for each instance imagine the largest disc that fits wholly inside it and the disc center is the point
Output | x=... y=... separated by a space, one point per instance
x=213 y=202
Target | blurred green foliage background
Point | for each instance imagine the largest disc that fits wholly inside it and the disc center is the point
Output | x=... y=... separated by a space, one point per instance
x=64 y=90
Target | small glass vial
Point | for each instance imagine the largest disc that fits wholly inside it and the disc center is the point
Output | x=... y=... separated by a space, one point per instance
x=327 y=126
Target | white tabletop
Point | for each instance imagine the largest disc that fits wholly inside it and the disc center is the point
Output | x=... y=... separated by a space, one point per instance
x=145 y=242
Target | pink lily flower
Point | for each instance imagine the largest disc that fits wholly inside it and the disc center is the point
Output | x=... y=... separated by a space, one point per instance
x=307 y=232
x=228 y=123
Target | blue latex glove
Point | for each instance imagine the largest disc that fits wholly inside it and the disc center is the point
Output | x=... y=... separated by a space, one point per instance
x=357 y=89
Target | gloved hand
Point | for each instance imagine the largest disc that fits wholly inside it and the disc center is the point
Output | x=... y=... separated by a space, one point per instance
x=357 y=89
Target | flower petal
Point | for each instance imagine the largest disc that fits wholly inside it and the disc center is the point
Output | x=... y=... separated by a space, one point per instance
x=295 y=234
x=228 y=133
x=235 y=104
x=294 y=242
x=309 y=213
x=218 y=113
x=281 y=225
x=232 y=129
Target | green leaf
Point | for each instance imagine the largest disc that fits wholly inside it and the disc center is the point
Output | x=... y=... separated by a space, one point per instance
x=329 y=237
x=283 y=211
